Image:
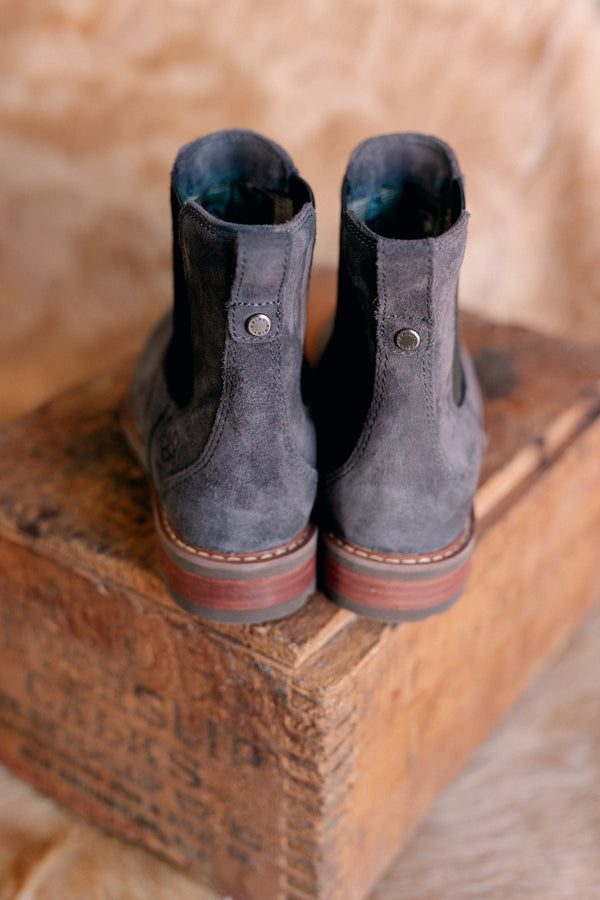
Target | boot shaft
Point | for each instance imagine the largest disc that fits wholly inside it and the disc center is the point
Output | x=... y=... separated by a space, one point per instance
x=399 y=455
x=217 y=395
x=243 y=224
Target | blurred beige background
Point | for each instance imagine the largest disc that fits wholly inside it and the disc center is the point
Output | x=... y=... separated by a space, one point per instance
x=96 y=98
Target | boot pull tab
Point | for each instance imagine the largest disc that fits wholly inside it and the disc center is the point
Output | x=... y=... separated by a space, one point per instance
x=255 y=305
x=403 y=283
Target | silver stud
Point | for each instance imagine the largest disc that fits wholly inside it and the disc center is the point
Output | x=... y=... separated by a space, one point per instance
x=258 y=325
x=407 y=339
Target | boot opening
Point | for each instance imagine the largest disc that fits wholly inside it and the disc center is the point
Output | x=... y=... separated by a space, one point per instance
x=245 y=203
x=240 y=177
x=418 y=197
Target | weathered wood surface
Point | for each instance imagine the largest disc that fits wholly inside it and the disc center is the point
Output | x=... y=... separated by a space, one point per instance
x=283 y=761
x=520 y=821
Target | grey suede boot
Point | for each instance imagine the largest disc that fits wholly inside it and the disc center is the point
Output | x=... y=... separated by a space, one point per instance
x=215 y=408
x=399 y=413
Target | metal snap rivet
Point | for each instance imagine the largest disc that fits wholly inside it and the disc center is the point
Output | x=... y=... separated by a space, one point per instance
x=407 y=339
x=258 y=325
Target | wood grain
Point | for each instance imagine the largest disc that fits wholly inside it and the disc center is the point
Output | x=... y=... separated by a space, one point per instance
x=291 y=760
x=521 y=820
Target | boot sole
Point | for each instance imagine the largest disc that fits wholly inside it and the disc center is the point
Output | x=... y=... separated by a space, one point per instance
x=402 y=588
x=231 y=588
x=239 y=588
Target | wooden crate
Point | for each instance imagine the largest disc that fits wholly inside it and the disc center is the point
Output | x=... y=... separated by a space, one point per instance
x=286 y=761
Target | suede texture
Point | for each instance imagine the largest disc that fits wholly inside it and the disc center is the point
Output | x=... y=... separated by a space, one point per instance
x=229 y=443
x=406 y=485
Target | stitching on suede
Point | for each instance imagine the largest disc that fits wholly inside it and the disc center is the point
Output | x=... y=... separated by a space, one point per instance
x=232 y=557
x=252 y=304
x=363 y=441
x=211 y=227
x=222 y=413
x=409 y=559
x=296 y=459
x=239 y=276
x=378 y=395
x=213 y=441
x=283 y=279
x=360 y=236
x=231 y=229
x=429 y=275
x=438 y=450
x=417 y=318
x=236 y=303
x=427 y=367
x=211 y=445
x=276 y=373
x=224 y=406
x=239 y=334
x=425 y=333
x=207 y=451
x=152 y=435
x=277 y=364
x=276 y=361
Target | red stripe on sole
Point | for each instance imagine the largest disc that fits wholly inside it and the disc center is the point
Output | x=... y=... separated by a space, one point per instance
x=239 y=594
x=394 y=594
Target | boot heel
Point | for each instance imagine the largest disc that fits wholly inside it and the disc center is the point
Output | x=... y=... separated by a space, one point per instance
x=234 y=588
x=237 y=588
x=396 y=588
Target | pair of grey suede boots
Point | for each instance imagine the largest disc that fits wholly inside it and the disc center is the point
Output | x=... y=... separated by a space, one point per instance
x=247 y=451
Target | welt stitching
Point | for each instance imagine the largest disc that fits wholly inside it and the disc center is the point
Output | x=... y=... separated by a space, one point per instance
x=283 y=550
x=410 y=558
